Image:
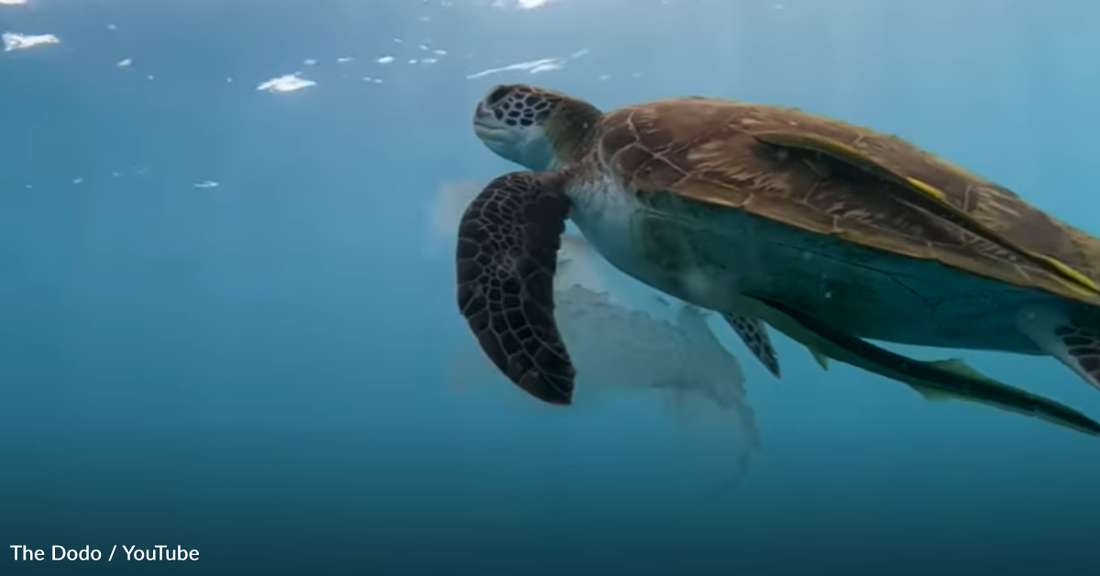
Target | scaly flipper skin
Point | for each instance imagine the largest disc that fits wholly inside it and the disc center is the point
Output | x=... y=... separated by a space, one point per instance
x=1082 y=350
x=754 y=334
x=1075 y=344
x=508 y=242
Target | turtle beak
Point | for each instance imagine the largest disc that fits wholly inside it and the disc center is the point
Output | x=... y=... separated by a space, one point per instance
x=484 y=121
x=505 y=141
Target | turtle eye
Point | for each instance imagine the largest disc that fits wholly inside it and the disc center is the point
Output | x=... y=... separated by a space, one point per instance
x=496 y=96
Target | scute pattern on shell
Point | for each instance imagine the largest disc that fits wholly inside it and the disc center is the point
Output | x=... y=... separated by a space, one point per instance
x=706 y=150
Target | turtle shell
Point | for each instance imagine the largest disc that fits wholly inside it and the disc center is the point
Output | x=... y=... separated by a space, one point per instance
x=833 y=178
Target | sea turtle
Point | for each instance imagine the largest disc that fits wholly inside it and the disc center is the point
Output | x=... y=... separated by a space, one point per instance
x=827 y=231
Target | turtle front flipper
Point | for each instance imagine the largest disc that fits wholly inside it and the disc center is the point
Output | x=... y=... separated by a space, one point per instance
x=938 y=380
x=506 y=258
x=754 y=333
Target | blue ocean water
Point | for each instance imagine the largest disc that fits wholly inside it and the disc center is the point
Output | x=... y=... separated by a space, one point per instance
x=227 y=320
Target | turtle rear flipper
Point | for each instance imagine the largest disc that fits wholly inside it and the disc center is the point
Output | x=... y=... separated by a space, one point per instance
x=506 y=257
x=1075 y=343
x=937 y=380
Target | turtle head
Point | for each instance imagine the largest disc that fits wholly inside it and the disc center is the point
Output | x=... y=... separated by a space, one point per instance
x=540 y=129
